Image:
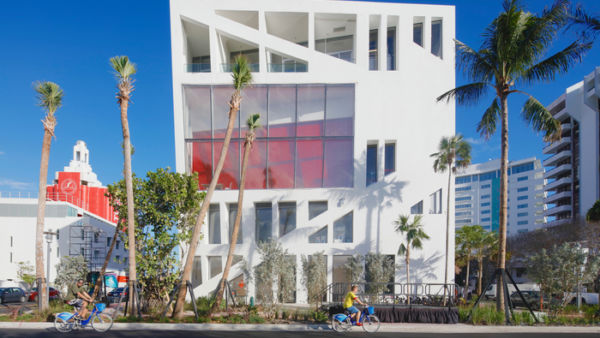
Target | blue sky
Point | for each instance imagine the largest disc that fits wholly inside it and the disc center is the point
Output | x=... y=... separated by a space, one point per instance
x=70 y=42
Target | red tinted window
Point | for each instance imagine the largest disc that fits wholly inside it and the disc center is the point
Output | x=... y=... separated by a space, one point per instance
x=201 y=162
x=221 y=98
x=254 y=101
x=281 y=164
x=230 y=175
x=311 y=110
x=339 y=166
x=309 y=164
x=256 y=174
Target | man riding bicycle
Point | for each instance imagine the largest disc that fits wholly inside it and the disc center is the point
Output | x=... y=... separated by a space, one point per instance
x=349 y=304
x=79 y=298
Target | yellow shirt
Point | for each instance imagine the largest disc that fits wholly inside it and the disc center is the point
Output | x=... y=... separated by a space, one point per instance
x=349 y=300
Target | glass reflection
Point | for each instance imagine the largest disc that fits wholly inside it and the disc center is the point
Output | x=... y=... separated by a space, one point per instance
x=197 y=112
x=309 y=164
x=339 y=167
x=281 y=164
x=230 y=175
x=282 y=111
x=311 y=110
x=221 y=97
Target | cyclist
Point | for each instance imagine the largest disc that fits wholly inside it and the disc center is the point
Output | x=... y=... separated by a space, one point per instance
x=349 y=304
x=79 y=298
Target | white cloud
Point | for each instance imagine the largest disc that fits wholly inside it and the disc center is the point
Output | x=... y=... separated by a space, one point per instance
x=475 y=141
x=1 y=152
x=15 y=185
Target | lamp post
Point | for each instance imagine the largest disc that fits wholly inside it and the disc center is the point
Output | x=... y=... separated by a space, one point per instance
x=49 y=235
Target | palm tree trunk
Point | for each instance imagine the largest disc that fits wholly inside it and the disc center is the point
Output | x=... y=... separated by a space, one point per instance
x=130 y=205
x=106 y=260
x=234 y=105
x=447 y=232
x=236 y=228
x=39 y=228
x=466 y=288
x=480 y=275
x=408 y=272
x=503 y=205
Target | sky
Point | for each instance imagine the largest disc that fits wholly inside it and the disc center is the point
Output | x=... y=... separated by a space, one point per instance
x=70 y=42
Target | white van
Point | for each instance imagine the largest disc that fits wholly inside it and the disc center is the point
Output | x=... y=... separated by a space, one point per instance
x=490 y=293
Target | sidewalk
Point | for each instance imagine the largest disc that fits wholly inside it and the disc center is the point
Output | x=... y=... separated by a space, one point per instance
x=404 y=328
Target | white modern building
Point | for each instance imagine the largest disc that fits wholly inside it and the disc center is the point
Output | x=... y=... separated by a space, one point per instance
x=573 y=163
x=346 y=91
x=477 y=197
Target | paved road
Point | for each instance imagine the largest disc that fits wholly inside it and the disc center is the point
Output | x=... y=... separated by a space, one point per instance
x=257 y=334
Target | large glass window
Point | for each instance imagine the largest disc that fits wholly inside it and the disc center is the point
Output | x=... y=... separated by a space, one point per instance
x=371 y=164
x=390 y=158
x=373 y=37
x=232 y=214
x=418 y=30
x=287 y=217
x=391 y=47
x=316 y=208
x=342 y=229
x=197 y=272
x=306 y=140
x=436 y=37
x=264 y=222
x=320 y=236
x=215 y=265
x=214 y=224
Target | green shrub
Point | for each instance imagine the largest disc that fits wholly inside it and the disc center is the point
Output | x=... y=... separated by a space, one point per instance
x=487 y=315
x=319 y=316
x=255 y=319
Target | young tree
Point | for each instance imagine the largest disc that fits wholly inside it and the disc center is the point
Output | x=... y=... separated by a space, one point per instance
x=69 y=270
x=26 y=273
x=49 y=97
x=166 y=205
x=314 y=276
x=269 y=273
x=124 y=71
x=483 y=244
x=355 y=268
x=252 y=123
x=379 y=269
x=413 y=238
x=466 y=238
x=573 y=266
x=453 y=153
x=541 y=269
x=241 y=78
x=512 y=54
x=593 y=215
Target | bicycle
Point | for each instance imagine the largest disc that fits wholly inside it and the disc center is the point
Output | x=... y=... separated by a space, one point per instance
x=342 y=322
x=67 y=321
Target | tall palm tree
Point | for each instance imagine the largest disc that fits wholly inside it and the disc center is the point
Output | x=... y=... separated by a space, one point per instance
x=511 y=55
x=466 y=237
x=49 y=97
x=124 y=70
x=241 y=78
x=591 y=24
x=453 y=152
x=252 y=124
x=413 y=238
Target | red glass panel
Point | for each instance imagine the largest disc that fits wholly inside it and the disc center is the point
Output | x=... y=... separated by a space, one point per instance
x=340 y=110
x=254 y=101
x=230 y=175
x=311 y=107
x=281 y=164
x=197 y=111
x=221 y=98
x=309 y=164
x=339 y=166
x=202 y=162
x=256 y=174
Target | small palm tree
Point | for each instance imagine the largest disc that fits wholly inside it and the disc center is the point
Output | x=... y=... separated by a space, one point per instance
x=466 y=237
x=413 y=238
x=454 y=152
x=242 y=77
x=49 y=97
x=483 y=244
x=253 y=124
x=512 y=55
x=124 y=70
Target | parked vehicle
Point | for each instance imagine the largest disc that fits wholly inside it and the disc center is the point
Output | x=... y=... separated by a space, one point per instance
x=586 y=298
x=490 y=293
x=33 y=294
x=115 y=294
x=8 y=295
x=533 y=298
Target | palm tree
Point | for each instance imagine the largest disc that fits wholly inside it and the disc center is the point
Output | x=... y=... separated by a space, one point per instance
x=252 y=124
x=49 y=97
x=124 y=70
x=241 y=78
x=100 y=280
x=454 y=152
x=511 y=54
x=469 y=239
x=590 y=23
x=413 y=238
x=484 y=242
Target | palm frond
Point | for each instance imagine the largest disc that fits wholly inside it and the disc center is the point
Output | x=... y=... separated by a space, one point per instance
x=467 y=94
x=253 y=122
x=49 y=96
x=541 y=120
x=463 y=153
x=591 y=23
x=558 y=63
x=487 y=126
x=123 y=67
x=402 y=250
x=242 y=76
x=474 y=64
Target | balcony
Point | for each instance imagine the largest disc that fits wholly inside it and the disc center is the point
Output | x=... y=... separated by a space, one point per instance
x=295 y=67
x=552 y=147
x=197 y=67
x=561 y=169
x=558 y=210
x=557 y=157
x=558 y=222
x=565 y=127
x=558 y=183
x=228 y=67
x=557 y=197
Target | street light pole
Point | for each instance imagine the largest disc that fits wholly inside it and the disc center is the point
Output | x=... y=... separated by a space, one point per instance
x=49 y=235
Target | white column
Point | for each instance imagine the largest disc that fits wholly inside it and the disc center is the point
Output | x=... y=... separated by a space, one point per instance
x=361 y=44
x=215 y=56
x=311 y=31
x=382 y=44
x=427 y=34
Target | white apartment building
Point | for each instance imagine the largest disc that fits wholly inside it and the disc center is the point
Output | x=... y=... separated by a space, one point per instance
x=346 y=91
x=573 y=163
x=477 y=197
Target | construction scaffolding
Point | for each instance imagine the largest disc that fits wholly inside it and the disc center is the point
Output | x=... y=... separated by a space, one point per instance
x=86 y=240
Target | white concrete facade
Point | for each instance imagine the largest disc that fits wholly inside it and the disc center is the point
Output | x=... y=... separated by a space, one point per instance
x=394 y=104
x=81 y=164
x=573 y=163
x=477 y=198
x=18 y=218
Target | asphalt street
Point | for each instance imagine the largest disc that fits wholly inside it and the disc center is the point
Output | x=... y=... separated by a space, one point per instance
x=9 y=333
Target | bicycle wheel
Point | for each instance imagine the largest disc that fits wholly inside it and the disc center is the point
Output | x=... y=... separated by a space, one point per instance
x=371 y=323
x=62 y=325
x=102 y=322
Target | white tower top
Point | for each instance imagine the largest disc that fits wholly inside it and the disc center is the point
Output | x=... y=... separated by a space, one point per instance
x=81 y=163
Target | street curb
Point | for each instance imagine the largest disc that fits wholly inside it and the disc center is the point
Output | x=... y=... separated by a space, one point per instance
x=399 y=327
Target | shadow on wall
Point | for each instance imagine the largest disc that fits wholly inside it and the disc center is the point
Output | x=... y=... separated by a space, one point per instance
x=421 y=269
